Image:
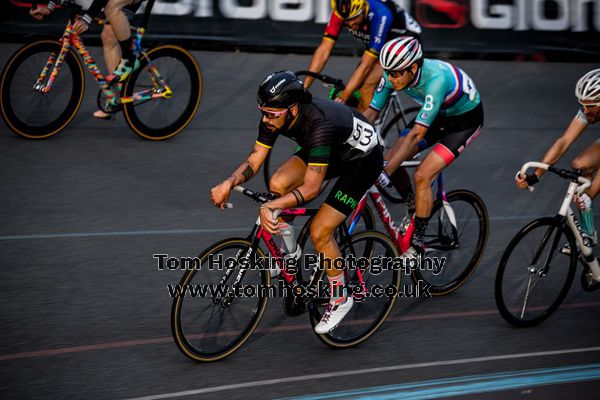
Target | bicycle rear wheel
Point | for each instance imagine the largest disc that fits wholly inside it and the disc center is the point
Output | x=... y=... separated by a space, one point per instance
x=162 y=118
x=526 y=293
x=29 y=112
x=372 y=305
x=455 y=240
x=209 y=326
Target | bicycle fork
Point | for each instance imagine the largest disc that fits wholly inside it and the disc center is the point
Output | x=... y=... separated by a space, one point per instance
x=56 y=61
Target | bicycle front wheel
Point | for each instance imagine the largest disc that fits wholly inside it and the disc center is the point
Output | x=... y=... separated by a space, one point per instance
x=379 y=289
x=209 y=318
x=26 y=108
x=455 y=240
x=533 y=277
x=173 y=69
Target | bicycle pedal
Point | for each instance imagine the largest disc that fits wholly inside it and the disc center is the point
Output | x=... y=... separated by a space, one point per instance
x=588 y=283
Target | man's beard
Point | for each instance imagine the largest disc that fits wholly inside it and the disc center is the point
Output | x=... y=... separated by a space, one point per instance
x=285 y=126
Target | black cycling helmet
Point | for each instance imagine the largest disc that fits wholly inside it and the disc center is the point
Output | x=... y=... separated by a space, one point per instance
x=281 y=89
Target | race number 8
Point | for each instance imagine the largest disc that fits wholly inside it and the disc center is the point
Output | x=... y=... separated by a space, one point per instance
x=428 y=105
x=363 y=136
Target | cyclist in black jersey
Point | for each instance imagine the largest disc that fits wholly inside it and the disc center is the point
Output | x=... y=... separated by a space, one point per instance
x=110 y=44
x=335 y=141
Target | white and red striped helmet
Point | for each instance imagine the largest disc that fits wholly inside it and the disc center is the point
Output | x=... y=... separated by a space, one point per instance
x=400 y=53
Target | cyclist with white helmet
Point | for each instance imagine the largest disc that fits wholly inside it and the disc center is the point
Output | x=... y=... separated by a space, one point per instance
x=374 y=22
x=587 y=92
x=450 y=118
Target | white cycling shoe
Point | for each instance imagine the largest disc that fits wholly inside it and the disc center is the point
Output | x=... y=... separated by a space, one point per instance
x=334 y=314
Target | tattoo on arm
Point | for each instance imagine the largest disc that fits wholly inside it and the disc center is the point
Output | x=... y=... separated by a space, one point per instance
x=316 y=169
x=240 y=177
x=247 y=173
x=299 y=196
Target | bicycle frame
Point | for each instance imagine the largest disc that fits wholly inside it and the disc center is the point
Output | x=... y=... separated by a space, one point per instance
x=72 y=39
x=566 y=214
x=567 y=217
x=258 y=234
x=402 y=242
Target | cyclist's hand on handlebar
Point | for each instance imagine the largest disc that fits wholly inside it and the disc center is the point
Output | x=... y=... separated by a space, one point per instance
x=80 y=26
x=384 y=180
x=268 y=220
x=220 y=194
x=39 y=13
x=525 y=181
x=340 y=100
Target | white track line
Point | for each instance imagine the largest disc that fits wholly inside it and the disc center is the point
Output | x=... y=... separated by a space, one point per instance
x=366 y=371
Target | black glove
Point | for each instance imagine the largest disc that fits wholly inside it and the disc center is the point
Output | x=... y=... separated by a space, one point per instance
x=531 y=179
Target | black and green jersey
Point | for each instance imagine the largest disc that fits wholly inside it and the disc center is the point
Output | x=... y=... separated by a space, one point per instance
x=330 y=132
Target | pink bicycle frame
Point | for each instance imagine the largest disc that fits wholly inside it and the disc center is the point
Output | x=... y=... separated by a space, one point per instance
x=276 y=251
x=402 y=241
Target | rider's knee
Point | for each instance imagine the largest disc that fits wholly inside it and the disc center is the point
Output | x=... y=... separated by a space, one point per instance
x=278 y=184
x=108 y=37
x=320 y=235
x=580 y=163
x=422 y=178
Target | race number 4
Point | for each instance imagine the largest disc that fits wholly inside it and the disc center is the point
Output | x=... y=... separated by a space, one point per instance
x=363 y=136
x=469 y=87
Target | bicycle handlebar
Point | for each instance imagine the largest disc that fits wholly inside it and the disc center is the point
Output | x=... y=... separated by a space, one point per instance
x=563 y=173
x=256 y=196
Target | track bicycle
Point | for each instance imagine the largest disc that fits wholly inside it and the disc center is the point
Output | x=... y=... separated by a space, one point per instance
x=211 y=327
x=42 y=86
x=457 y=233
x=534 y=276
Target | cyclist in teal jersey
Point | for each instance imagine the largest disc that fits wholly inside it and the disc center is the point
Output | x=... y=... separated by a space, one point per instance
x=450 y=118
x=587 y=92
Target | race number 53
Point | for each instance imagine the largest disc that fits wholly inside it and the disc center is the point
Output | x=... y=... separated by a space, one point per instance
x=363 y=136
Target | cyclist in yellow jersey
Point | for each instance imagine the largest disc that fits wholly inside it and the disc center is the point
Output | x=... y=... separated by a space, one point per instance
x=374 y=22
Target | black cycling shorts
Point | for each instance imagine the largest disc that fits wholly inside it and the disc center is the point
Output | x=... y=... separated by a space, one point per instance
x=451 y=135
x=355 y=178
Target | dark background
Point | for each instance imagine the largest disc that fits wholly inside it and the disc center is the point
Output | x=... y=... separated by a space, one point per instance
x=445 y=33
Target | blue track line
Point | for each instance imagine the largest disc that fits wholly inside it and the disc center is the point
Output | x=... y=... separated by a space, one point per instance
x=450 y=387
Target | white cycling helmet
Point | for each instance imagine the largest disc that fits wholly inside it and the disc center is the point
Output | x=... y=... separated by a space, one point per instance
x=400 y=53
x=588 y=87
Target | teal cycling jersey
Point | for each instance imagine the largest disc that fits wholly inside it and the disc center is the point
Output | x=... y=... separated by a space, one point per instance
x=581 y=116
x=440 y=88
